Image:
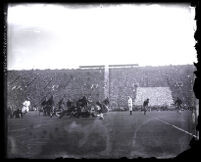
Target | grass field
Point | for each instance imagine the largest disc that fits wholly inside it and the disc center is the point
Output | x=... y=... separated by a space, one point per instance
x=157 y=134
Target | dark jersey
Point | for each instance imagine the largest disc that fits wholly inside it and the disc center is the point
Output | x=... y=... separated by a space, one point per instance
x=69 y=104
x=44 y=103
x=61 y=102
x=50 y=102
x=106 y=101
x=178 y=102
x=146 y=103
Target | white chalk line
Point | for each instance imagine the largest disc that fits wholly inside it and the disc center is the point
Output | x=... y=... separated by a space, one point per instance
x=165 y=122
x=14 y=130
x=34 y=127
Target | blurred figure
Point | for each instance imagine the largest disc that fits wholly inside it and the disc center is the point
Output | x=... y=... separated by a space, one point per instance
x=18 y=113
x=84 y=102
x=61 y=104
x=99 y=110
x=98 y=106
x=145 y=105
x=106 y=101
x=10 y=111
x=92 y=111
x=62 y=109
x=69 y=104
x=51 y=105
x=26 y=105
x=43 y=106
x=178 y=104
x=34 y=108
x=130 y=105
x=101 y=116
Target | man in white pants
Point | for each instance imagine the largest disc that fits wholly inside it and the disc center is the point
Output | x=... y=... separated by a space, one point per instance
x=130 y=105
x=26 y=105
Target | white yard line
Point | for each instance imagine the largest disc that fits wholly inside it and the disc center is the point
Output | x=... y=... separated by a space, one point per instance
x=167 y=123
x=34 y=127
x=15 y=130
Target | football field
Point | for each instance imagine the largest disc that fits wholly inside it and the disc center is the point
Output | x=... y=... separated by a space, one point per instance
x=162 y=134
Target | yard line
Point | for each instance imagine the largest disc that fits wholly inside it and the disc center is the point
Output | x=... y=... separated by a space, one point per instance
x=34 y=127
x=165 y=122
x=14 y=130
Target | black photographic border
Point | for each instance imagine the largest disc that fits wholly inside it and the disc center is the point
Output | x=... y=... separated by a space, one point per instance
x=191 y=154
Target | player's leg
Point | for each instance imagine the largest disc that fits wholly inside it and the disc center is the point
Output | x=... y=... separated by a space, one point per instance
x=145 y=110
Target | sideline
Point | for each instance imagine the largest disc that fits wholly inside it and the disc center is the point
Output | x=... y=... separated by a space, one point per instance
x=167 y=123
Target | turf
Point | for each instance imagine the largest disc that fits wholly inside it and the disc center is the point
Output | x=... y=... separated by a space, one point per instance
x=118 y=135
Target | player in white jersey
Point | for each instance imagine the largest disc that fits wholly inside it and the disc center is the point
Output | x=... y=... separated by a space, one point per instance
x=130 y=105
x=26 y=105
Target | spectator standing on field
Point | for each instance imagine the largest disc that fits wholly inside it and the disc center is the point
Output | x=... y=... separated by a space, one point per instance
x=130 y=105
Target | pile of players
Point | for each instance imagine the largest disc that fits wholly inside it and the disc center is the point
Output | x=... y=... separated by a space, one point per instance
x=80 y=108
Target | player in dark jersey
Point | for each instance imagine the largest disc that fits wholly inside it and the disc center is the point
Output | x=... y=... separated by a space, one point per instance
x=145 y=105
x=178 y=104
